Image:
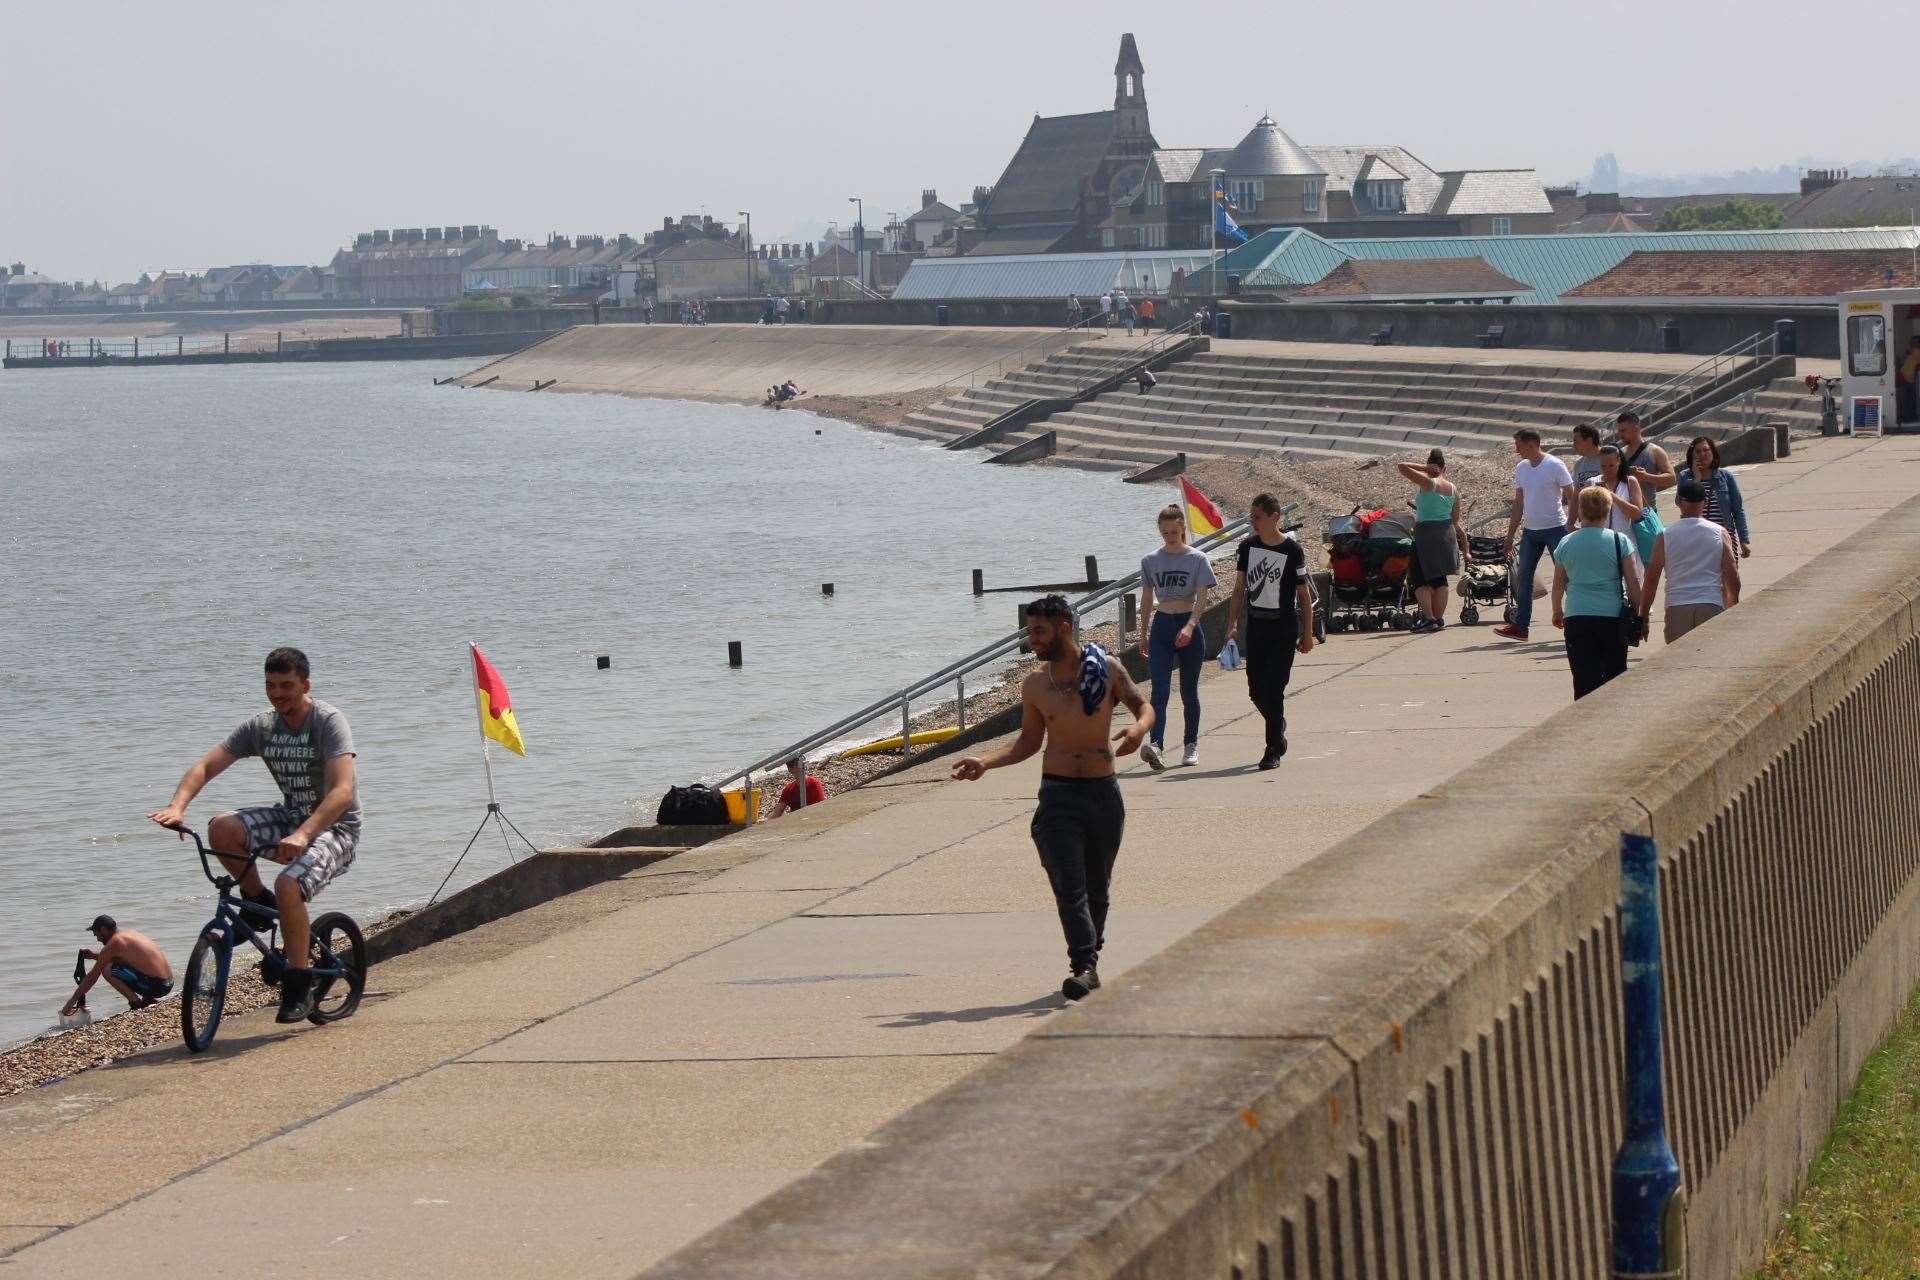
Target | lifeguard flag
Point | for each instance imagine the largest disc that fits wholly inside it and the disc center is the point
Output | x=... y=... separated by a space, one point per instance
x=1203 y=517
x=496 y=709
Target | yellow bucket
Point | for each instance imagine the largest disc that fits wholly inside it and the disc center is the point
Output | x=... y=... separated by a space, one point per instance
x=737 y=804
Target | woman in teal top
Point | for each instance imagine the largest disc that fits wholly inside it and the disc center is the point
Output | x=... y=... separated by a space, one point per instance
x=1438 y=539
x=1595 y=574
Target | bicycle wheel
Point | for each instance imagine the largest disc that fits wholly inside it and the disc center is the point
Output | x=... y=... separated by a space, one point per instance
x=337 y=944
x=204 y=994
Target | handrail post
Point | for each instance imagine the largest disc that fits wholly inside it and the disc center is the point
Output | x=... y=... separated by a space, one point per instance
x=1648 y=1239
x=960 y=701
x=906 y=729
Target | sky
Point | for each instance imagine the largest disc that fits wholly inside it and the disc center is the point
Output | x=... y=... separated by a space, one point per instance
x=195 y=133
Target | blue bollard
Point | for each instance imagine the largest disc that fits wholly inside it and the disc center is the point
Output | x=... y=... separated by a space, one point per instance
x=1645 y=1174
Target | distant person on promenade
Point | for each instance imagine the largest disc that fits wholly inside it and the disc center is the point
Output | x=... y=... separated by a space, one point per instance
x=802 y=789
x=1075 y=313
x=1644 y=460
x=1696 y=557
x=1543 y=511
x=1439 y=543
x=780 y=308
x=1174 y=581
x=1596 y=594
x=1129 y=317
x=1146 y=315
x=647 y=311
x=132 y=963
x=1586 y=461
x=307 y=746
x=1106 y=310
x=1725 y=506
x=1270 y=583
x=1146 y=380
x=1067 y=703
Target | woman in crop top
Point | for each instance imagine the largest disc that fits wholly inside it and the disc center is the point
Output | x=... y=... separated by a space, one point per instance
x=1438 y=539
x=1173 y=594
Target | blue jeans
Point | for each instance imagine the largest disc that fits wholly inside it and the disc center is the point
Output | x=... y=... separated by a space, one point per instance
x=1534 y=543
x=1162 y=658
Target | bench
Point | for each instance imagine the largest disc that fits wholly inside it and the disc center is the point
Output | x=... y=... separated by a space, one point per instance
x=1381 y=337
x=1495 y=336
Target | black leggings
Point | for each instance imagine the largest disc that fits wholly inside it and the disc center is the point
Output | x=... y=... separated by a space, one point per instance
x=1596 y=650
x=1077 y=829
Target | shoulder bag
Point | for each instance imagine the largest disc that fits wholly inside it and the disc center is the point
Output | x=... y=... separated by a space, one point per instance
x=1633 y=626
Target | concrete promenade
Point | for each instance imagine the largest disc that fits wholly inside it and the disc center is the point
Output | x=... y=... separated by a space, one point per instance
x=586 y=1087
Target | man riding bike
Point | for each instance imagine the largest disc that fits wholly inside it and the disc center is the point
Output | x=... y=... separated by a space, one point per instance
x=308 y=748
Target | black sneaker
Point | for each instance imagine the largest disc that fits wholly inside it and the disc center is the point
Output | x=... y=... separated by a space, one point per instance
x=296 y=996
x=1081 y=983
x=262 y=911
x=1269 y=761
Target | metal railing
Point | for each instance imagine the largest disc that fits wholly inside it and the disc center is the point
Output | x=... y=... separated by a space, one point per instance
x=1756 y=349
x=82 y=350
x=1053 y=341
x=954 y=673
x=1083 y=381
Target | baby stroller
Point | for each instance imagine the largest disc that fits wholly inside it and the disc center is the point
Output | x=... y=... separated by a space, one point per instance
x=1369 y=554
x=1487 y=576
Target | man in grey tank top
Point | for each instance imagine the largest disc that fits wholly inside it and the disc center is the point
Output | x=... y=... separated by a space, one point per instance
x=308 y=748
x=1696 y=556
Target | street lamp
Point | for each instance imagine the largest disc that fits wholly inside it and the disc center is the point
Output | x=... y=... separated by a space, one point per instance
x=859 y=239
x=749 y=236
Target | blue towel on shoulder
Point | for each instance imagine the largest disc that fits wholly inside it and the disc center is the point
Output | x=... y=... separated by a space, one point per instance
x=1093 y=678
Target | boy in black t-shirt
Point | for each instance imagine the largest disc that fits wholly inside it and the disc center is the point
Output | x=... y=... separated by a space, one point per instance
x=1270 y=582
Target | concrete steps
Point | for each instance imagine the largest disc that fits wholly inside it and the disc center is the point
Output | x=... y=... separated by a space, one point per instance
x=1229 y=405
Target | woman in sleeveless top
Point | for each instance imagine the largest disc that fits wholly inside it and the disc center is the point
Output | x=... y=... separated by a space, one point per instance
x=1628 y=498
x=1437 y=538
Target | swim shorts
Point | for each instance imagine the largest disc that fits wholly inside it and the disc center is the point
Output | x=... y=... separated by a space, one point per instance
x=144 y=985
x=325 y=860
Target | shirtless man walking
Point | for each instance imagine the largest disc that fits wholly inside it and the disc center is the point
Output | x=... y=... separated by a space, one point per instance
x=1067 y=703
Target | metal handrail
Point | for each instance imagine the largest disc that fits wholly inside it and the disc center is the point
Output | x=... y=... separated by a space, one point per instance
x=1059 y=336
x=1746 y=348
x=956 y=673
x=1130 y=356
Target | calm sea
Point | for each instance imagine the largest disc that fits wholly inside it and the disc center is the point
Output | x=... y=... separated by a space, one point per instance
x=164 y=528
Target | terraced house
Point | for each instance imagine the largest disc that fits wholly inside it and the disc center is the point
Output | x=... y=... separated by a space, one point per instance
x=1100 y=180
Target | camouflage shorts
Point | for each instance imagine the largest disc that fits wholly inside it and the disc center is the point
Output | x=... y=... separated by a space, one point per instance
x=326 y=859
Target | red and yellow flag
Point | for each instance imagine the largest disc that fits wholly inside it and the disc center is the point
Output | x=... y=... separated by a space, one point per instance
x=496 y=709
x=1203 y=517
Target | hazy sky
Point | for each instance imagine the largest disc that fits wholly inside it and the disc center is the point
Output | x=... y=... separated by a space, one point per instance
x=194 y=133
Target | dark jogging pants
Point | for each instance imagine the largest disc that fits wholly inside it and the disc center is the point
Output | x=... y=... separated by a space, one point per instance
x=1269 y=656
x=1077 y=829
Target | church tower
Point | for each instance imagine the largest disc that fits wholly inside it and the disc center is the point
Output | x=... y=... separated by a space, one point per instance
x=1129 y=92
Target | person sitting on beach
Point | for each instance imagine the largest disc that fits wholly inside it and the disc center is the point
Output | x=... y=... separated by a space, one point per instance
x=796 y=796
x=132 y=963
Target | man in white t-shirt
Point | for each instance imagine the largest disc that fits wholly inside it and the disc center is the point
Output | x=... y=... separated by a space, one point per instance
x=1695 y=554
x=1543 y=511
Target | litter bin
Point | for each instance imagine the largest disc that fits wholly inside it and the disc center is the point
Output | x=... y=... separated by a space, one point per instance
x=1222 y=325
x=1670 y=336
x=1786 y=338
x=941 y=315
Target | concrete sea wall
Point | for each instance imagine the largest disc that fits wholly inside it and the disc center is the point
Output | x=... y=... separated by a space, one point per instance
x=1403 y=1059
x=1703 y=329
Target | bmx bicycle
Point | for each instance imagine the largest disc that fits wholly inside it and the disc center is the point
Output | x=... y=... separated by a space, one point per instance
x=337 y=956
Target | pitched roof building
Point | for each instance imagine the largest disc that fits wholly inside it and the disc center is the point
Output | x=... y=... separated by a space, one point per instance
x=1748 y=275
x=1413 y=280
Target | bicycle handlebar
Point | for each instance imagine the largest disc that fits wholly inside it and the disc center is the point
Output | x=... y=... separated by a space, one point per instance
x=206 y=867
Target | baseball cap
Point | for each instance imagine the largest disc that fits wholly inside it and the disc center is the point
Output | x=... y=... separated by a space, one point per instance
x=104 y=922
x=1691 y=491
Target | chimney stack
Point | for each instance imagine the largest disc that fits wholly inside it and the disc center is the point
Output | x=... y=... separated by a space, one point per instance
x=1821 y=179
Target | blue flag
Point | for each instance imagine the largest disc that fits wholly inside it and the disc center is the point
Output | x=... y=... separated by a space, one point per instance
x=1223 y=223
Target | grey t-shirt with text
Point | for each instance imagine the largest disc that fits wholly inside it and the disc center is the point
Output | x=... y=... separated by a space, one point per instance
x=297 y=758
x=1176 y=575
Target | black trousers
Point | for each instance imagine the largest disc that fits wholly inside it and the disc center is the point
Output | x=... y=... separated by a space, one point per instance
x=1077 y=829
x=1597 y=652
x=1269 y=655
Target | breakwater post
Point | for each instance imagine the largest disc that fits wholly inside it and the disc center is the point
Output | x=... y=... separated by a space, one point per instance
x=979 y=582
x=1647 y=1221
x=733 y=653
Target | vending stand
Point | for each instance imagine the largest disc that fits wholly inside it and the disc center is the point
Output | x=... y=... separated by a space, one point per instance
x=1877 y=329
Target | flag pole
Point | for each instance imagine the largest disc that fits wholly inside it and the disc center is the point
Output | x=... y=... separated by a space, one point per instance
x=480 y=718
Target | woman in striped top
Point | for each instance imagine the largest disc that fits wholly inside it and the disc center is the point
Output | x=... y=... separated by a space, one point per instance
x=1725 y=507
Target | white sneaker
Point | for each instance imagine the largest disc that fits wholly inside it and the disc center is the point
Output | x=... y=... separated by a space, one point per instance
x=1192 y=754
x=1151 y=754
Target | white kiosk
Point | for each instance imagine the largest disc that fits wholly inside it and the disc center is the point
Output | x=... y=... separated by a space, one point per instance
x=1877 y=328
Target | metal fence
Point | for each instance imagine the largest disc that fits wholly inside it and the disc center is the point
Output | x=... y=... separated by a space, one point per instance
x=1748 y=352
x=82 y=350
x=933 y=686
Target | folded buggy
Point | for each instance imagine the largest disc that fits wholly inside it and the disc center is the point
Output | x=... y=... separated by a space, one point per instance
x=1487 y=576
x=1370 y=556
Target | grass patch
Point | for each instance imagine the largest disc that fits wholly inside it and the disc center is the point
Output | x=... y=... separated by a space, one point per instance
x=1860 y=1213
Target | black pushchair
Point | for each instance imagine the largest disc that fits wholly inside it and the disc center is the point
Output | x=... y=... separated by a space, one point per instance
x=1487 y=576
x=1370 y=556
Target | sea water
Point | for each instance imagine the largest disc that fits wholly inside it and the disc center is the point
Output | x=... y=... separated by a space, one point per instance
x=163 y=528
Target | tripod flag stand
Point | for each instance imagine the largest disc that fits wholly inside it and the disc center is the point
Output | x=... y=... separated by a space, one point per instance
x=497 y=723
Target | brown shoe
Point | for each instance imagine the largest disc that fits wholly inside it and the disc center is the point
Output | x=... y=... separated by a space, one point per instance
x=1510 y=631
